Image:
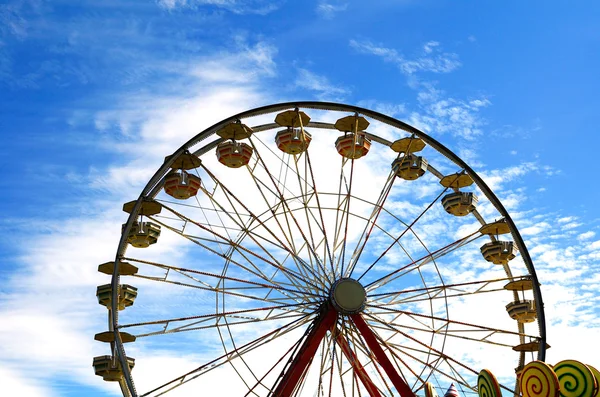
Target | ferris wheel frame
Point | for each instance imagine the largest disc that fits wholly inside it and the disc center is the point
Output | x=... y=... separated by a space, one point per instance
x=154 y=185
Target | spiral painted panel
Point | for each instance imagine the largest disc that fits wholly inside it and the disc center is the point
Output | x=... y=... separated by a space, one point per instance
x=538 y=380
x=597 y=376
x=575 y=379
x=487 y=384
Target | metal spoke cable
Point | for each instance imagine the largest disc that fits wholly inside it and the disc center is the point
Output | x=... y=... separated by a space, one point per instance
x=289 y=213
x=227 y=357
x=262 y=224
x=423 y=260
x=240 y=247
x=402 y=234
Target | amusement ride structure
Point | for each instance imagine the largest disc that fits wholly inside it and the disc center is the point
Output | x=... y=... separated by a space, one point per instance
x=321 y=249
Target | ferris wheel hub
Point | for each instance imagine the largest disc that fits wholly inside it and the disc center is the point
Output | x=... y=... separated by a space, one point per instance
x=348 y=296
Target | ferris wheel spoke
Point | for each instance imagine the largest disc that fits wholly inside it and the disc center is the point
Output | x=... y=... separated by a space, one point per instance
x=302 y=269
x=397 y=350
x=285 y=167
x=231 y=291
x=310 y=218
x=253 y=231
x=350 y=371
x=229 y=356
x=342 y=338
x=195 y=326
x=255 y=271
x=451 y=373
x=327 y=248
x=386 y=345
x=474 y=327
x=437 y=292
x=431 y=350
x=409 y=227
x=371 y=223
x=241 y=249
x=364 y=349
x=346 y=210
x=261 y=380
x=189 y=272
x=443 y=329
x=323 y=369
x=416 y=264
x=217 y=316
x=289 y=215
x=339 y=363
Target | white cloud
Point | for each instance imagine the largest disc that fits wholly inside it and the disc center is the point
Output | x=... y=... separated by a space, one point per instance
x=443 y=114
x=586 y=236
x=328 y=10
x=321 y=85
x=570 y=225
x=260 y=7
x=536 y=229
x=431 y=59
x=566 y=219
x=390 y=109
x=496 y=179
x=440 y=114
x=51 y=326
x=14 y=384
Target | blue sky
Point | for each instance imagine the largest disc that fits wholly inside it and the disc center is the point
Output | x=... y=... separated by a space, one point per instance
x=95 y=94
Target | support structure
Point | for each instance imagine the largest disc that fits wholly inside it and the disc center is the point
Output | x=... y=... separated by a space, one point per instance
x=294 y=374
x=359 y=370
x=381 y=357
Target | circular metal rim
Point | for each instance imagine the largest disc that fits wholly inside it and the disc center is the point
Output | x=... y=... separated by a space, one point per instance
x=153 y=186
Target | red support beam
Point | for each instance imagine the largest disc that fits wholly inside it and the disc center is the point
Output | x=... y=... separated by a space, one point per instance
x=296 y=371
x=383 y=360
x=358 y=368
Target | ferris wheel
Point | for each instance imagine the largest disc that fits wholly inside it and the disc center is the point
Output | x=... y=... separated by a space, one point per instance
x=317 y=249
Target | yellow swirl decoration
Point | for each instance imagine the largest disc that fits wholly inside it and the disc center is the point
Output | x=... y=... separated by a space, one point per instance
x=430 y=390
x=597 y=376
x=487 y=384
x=538 y=380
x=575 y=379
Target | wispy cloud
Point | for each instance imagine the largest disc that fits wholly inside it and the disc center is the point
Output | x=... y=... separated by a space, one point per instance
x=323 y=88
x=260 y=7
x=438 y=112
x=586 y=236
x=431 y=58
x=498 y=178
x=444 y=114
x=329 y=11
